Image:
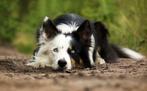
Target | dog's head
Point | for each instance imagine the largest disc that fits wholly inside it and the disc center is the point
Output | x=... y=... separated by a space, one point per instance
x=55 y=45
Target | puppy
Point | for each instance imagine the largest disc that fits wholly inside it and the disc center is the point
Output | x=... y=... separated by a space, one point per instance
x=71 y=36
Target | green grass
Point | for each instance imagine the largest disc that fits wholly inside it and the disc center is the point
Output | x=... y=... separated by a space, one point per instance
x=126 y=20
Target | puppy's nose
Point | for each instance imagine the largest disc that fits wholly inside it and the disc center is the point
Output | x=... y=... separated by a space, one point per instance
x=62 y=63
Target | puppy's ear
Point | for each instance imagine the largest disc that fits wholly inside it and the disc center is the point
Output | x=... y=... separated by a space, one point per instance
x=101 y=29
x=49 y=28
x=84 y=31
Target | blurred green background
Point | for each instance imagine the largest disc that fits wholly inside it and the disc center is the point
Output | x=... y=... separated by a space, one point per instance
x=126 y=20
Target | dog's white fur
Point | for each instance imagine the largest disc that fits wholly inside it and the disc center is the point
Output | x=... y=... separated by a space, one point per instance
x=64 y=28
x=46 y=56
x=132 y=54
x=91 y=50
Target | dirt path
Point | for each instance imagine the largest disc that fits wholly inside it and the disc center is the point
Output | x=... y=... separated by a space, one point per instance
x=127 y=75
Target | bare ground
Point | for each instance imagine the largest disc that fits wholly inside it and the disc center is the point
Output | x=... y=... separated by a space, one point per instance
x=127 y=75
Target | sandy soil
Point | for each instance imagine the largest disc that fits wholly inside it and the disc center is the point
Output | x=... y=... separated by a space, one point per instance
x=127 y=75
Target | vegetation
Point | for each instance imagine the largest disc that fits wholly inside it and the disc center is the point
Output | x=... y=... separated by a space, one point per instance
x=126 y=20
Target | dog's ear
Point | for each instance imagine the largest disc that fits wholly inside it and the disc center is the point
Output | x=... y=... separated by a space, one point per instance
x=49 y=28
x=101 y=29
x=84 y=31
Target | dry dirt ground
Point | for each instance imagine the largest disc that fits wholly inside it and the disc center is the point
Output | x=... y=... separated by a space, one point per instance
x=127 y=75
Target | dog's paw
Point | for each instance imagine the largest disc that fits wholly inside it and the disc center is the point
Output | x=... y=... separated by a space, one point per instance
x=33 y=64
x=39 y=63
x=101 y=61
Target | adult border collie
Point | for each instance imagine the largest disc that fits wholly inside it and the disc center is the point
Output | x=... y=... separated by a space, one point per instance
x=71 y=36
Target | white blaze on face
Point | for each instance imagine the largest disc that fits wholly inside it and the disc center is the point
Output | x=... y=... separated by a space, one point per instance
x=57 y=50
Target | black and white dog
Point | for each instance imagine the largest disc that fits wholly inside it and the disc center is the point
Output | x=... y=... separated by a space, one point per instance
x=71 y=36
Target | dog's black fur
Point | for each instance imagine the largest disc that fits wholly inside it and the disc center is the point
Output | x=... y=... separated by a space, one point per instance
x=82 y=39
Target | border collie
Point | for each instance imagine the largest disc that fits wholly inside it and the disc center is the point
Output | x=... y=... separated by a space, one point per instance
x=71 y=36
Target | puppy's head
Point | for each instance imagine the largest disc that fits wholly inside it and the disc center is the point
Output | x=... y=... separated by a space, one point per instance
x=55 y=45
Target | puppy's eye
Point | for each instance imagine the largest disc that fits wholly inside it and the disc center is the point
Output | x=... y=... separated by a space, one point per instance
x=55 y=50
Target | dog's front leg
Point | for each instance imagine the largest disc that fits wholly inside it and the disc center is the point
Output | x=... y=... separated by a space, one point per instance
x=91 y=55
x=87 y=57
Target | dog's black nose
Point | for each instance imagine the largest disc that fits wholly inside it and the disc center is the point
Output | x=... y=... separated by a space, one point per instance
x=62 y=63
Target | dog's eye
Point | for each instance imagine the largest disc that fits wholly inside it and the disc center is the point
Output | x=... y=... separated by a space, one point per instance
x=55 y=50
x=71 y=51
